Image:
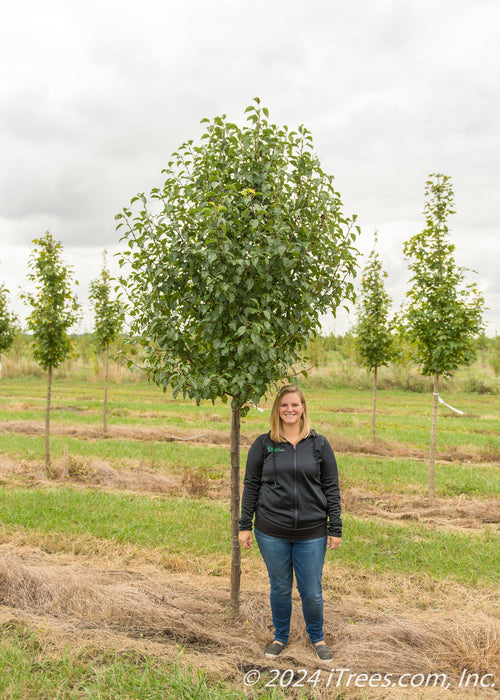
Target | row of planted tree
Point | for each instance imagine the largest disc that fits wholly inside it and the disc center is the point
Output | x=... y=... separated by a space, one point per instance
x=229 y=265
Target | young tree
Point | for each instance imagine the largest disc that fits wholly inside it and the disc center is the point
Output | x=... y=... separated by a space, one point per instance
x=231 y=265
x=9 y=324
x=443 y=315
x=54 y=311
x=373 y=332
x=108 y=324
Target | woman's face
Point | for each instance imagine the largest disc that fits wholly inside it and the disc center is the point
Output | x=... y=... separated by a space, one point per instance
x=291 y=409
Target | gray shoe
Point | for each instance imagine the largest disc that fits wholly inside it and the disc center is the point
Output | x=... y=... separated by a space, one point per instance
x=323 y=652
x=274 y=649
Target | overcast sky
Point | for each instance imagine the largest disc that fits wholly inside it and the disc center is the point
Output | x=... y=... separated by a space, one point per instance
x=96 y=95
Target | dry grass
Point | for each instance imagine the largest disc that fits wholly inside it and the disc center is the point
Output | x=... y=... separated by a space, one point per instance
x=343 y=444
x=159 y=434
x=406 y=646
x=459 y=512
x=121 y=555
x=97 y=473
x=129 y=601
x=88 y=594
x=160 y=612
x=16 y=365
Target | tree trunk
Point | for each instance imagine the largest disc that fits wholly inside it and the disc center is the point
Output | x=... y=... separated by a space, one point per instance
x=235 y=510
x=105 y=408
x=48 y=466
x=432 y=454
x=374 y=408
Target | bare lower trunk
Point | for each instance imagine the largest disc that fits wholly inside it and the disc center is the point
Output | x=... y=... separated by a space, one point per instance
x=235 y=508
x=374 y=408
x=105 y=408
x=432 y=453
x=48 y=466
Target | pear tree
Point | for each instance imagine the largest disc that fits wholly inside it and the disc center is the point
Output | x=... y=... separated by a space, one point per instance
x=373 y=331
x=109 y=318
x=443 y=313
x=230 y=264
x=54 y=310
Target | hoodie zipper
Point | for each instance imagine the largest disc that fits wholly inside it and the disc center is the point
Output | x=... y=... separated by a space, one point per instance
x=295 y=514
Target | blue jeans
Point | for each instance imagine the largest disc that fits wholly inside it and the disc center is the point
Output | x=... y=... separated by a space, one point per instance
x=283 y=557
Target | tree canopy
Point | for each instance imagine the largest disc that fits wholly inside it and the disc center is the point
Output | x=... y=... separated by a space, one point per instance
x=108 y=312
x=373 y=336
x=443 y=315
x=231 y=263
x=234 y=258
x=9 y=323
x=54 y=310
x=54 y=306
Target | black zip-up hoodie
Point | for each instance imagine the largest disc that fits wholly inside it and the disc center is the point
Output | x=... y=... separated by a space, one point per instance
x=293 y=487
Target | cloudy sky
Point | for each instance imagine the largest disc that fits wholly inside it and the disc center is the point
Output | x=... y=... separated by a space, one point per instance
x=95 y=96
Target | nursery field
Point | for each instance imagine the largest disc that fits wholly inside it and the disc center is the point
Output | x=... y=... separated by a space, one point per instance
x=114 y=575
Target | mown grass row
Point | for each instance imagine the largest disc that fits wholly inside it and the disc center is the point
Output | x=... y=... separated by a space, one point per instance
x=402 y=417
x=397 y=475
x=201 y=528
x=26 y=672
x=120 y=452
x=373 y=473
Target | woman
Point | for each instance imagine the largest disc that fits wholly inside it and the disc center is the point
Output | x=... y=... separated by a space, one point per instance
x=291 y=486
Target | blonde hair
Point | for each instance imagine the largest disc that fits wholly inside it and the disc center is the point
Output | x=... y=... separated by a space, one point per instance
x=275 y=420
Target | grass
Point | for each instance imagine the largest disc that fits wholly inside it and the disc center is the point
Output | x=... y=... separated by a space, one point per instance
x=408 y=476
x=172 y=532
x=414 y=430
x=81 y=402
x=391 y=475
x=343 y=415
x=201 y=528
x=27 y=672
x=120 y=452
x=176 y=525
x=465 y=557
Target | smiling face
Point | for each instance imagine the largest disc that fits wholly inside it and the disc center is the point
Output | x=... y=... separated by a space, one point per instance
x=291 y=409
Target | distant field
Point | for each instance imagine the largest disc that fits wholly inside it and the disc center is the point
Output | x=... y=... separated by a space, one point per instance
x=119 y=567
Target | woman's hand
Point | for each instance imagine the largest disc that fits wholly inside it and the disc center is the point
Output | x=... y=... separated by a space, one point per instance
x=245 y=538
x=333 y=542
